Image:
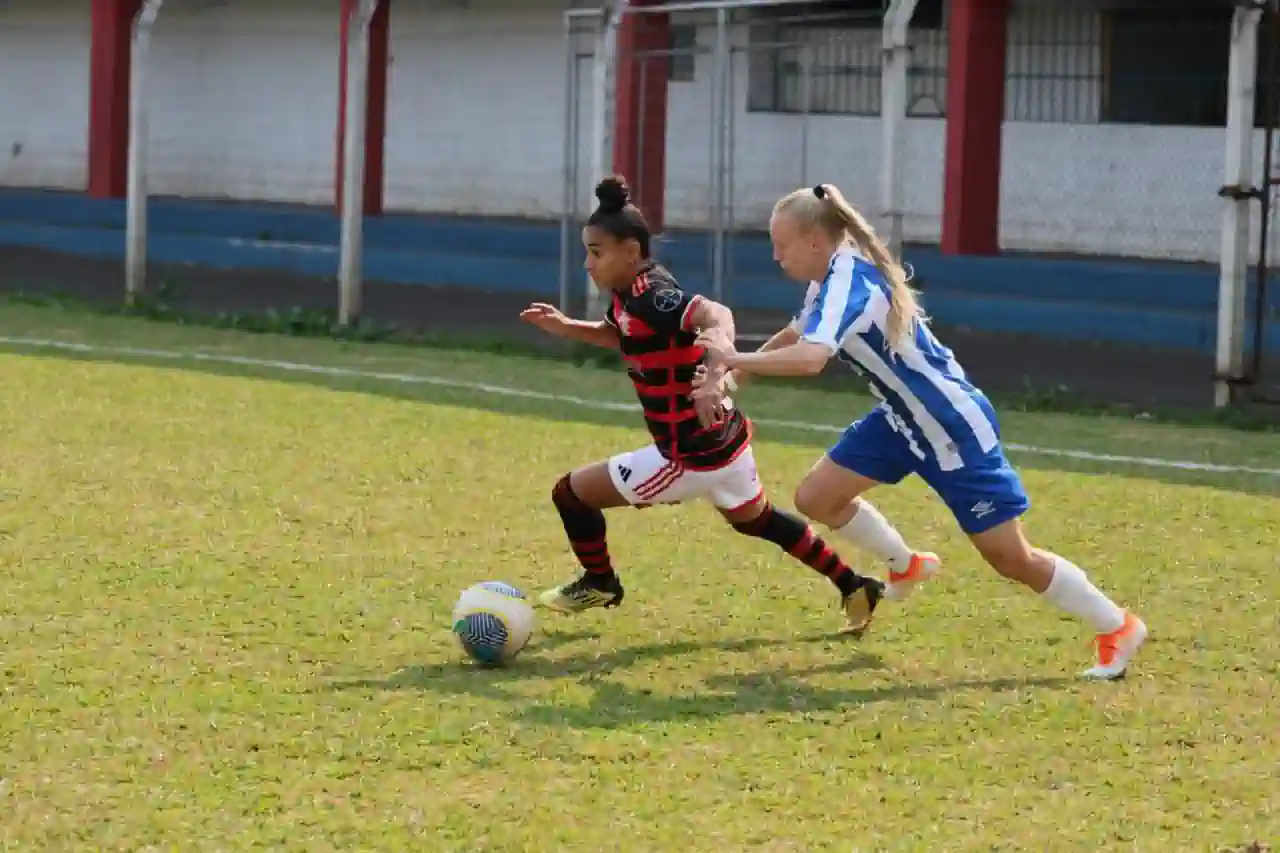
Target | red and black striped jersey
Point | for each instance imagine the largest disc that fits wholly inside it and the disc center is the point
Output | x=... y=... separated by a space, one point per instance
x=657 y=343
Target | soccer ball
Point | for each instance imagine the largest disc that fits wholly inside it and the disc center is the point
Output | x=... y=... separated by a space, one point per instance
x=493 y=622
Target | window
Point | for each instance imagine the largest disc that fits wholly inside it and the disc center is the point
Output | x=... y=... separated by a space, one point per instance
x=824 y=58
x=861 y=14
x=1161 y=62
x=684 y=53
x=1166 y=66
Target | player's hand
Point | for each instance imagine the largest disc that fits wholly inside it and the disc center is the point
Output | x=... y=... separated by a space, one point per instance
x=708 y=395
x=717 y=346
x=710 y=380
x=546 y=317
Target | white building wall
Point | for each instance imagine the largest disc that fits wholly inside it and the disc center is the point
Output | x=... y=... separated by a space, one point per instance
x=244 y=103
x=244 y=100
x=475 y=111
x=44 y=93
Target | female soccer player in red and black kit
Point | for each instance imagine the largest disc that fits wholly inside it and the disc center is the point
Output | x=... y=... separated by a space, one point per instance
x=654 y=323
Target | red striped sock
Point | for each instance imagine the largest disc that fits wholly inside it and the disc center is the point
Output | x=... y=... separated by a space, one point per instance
x=585 y=527
x=800 y=541
x=594 y=556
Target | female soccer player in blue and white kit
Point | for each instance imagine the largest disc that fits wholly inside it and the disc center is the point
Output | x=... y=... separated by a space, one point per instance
x=932 y=421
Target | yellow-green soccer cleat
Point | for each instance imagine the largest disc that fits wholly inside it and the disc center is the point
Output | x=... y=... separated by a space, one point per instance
x=588 y=591
x=860 y=605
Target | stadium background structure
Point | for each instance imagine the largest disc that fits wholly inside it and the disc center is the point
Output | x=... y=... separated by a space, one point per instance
x=966 y=281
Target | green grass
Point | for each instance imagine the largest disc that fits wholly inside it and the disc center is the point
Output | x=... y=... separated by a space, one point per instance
x=300 y=322
x=225 y=626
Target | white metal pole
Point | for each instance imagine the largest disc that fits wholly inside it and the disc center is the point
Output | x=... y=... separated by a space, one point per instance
x=603 y=74
x=354 y=143
x=893 y=115
x=1242 y=78
x=721 y=113
x=569 y=197
x=807 y=68
x=135 y=241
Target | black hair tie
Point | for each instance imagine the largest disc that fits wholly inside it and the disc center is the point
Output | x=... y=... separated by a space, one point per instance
x=820 y=191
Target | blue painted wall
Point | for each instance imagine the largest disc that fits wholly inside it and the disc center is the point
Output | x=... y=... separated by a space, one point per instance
x=1161 y=304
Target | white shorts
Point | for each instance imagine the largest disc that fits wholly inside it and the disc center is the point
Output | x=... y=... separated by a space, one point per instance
x=645 y=477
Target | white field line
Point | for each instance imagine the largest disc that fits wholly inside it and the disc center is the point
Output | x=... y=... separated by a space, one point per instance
x=586 y=403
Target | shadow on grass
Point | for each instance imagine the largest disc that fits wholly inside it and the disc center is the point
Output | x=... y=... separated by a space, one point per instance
x=462 y=677
x=560 y=411
x=613 y=705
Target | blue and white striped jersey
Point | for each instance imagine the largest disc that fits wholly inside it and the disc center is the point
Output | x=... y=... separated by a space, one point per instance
x=943 y=416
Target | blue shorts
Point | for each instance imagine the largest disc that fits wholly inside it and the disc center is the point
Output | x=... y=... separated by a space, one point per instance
x=983 y=494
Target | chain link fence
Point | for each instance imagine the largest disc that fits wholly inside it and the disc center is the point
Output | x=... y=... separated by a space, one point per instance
x=1113 y=142
x=1112 y=145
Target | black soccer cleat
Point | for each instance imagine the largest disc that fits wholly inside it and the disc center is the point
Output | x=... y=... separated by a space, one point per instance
x=860 y=605
x=590 y=590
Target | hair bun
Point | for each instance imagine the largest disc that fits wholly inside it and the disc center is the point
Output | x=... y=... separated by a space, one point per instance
x=613 y=193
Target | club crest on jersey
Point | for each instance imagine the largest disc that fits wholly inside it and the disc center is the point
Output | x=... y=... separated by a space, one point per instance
x=667 y=300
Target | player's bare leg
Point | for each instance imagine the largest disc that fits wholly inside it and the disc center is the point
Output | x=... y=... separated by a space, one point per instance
x=1064 y=584
x=580 y=498
x=859 y=595
x=833 y=496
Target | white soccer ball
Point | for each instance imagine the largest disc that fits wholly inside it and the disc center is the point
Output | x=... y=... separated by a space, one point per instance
x=493 y=621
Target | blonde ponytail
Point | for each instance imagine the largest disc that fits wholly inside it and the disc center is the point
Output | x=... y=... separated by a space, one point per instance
x=827 y=208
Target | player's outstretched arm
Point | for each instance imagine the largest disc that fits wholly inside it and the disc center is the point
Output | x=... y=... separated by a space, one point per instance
x=598 y=333
x=803 y=358
x=816 y=333
x=708 y=316
x=549 y=319
x=792 y=355
x=784 y=337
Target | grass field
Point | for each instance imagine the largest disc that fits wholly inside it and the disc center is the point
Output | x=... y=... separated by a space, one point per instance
x=225 y=626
